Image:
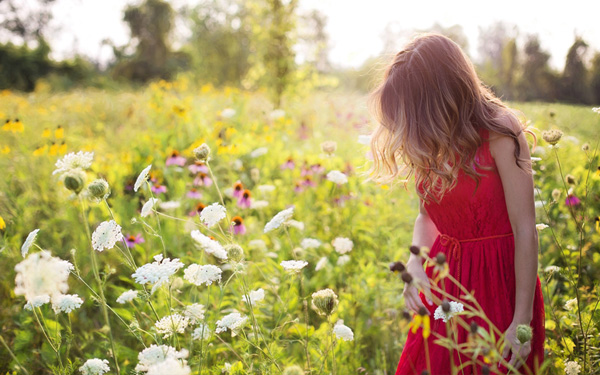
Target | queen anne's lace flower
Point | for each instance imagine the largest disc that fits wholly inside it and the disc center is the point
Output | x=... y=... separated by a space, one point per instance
x=293 y=265
x=228 y=112
x=206 y=274
x=342 y=245
x=154 y=355
x=321 y=263
x=201 y=333
x=148 y=206
x=342 y=331
x=310 y=243
x=172 y=324
x=232 y=322
x=279 y=219
x=572 y=368
x=337 y=177
x=570 y=304
x=343 y=260
x=142 y=178
x=127 y=296
x=209 y=245
x=212 y=214
x=95 y=366
x=157 y=272
x=41 y=277
x=194 y=312
x=170 y=366
x=29 y=241
x=66 y=303
x=455 y=309
x=106 y=235
x=255 y=296
x=71 y=161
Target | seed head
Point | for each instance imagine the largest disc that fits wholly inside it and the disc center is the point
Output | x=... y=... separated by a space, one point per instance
x=397 y=266
x=406 y=277
x=234 y=252
x=446 y=306
x=524 y=333
x=99 y=189
x=201 y=152
x=74 y=180
x=440 y=259
x=324 y=301
x=415 y=250
x=552 y=136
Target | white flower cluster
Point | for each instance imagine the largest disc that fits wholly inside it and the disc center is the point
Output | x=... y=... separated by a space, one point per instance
x=455 y=309
x=66 y=303
x=143 y=176
x=572 y=368
x=279 y=219
x=232 y=321
x=209 y=245
x=106 y=235
x=343 y=260
x=342 y=331
x=148 y=206
x=29 y=241
x=154 y=356
x=194 y=312
x=310 y=243
x=73 y=161
x=170 y=366
x=293 y=265
x=202 y=274
x=212 y=214
x=570 y=304
x=94 y=366
x=41 y=277
x=337 y=177
x=255 y=296
x=127 y=296
x=201 y=333
x=321 y=263
x=258 y=152
x=342 y=245
x=172 y=324
x=228 y=112
x=157 y=272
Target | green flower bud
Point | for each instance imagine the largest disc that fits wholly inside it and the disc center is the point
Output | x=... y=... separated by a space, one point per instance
x=324 y=301
x=201 y=152
x=293 y=370
x=524 y=333
x=74 y=180
x=234 y=252
x=99 y=189
x=552 y=136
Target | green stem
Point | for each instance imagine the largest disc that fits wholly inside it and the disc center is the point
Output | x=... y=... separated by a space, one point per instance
x=56 y=350
x=13 y=356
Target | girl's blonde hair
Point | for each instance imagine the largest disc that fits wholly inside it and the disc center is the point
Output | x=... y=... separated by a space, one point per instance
x=429 y=108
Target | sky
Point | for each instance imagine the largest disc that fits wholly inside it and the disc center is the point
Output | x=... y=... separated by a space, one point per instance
x=355 y=27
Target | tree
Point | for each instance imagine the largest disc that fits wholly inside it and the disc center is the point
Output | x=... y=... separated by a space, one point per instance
x=313 y=40
x=538 y=81
x=595 y=79
x=574 y=83
x=27 y=23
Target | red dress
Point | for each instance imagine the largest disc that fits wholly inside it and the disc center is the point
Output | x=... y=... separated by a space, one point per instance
x=466 y=218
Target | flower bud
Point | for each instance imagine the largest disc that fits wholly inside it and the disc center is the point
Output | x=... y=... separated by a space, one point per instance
x=474 y=327
x=585 y=147
x=329 y=147
x=570 y=179
x=293 y=370
x=446 y=306
x=397 y=266
x=406 y=277
x=552 y=136
x=415 y=250
x=422 y=311
x=524 y=333
x=99 y=189
x=556 y=194
x=324 y=301
x=406 y=315
x=201 y=152
x=234 y=252
x=440 y=259
x=255 y=174
x=74 y=180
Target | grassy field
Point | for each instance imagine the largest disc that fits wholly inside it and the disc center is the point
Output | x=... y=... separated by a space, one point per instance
x=250 y=143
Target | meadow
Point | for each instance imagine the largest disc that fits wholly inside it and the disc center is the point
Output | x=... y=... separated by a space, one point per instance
x=153 y=279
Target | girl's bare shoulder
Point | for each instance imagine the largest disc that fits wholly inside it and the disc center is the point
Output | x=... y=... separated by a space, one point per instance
x=499 y=141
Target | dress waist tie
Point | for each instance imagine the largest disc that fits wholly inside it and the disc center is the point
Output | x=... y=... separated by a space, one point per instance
x=454 y=249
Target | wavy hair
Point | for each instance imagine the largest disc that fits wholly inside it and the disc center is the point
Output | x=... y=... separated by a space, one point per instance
x=429 y=108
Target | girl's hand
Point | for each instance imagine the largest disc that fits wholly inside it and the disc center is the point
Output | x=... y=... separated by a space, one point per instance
x=520 y=352
x=411 y=292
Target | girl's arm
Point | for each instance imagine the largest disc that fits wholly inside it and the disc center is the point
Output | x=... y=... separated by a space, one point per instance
x=424 y=233
x=519 y=196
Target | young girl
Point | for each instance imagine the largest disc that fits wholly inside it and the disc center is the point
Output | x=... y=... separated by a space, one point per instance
x=471 y=164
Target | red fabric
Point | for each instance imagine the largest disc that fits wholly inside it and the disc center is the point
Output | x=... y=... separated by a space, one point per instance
x=484 y=266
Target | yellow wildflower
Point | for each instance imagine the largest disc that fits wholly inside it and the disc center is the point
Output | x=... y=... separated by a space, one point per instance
x=18 y=126
x=597 y=224
x=7 y=126
x=2 y=223
x=53 y=149
x=421 y=319
x=59 y=133
x=5 y=150
x=46 y=133
x=41 y=150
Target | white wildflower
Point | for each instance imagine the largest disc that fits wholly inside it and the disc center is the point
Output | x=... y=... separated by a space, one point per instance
x=258 y=204
x=142 y=178
x=157 y=272
x=310 y=243
x=258 y=152
x=106 y=235
x=170 y=205
x=170 y=366
x=364 y=139
x=570 y=304
x=154 y=355
x=265 y=188
x=342 y=331
x=127 y=296
x=209 y=245
x=232 y=322
x=540 y=227
x=95 y=366
x=201 y=333
x=321 y=263
x=258 y=244
x=212 y=214
x=171 y=324
x=66 y=303
x=572 y=367
x=343 y=260
x=455 y=309
x=226 y=367
x=342 y=245
x=337 y=177
x=71 y=161
x=279 y=219
x=147 y=207
x=40 y=277
x=293 y=265
x=29 y=241
x=194 y=312
x=228 y=112
x=277 y=114
x=295 y=223
x=551 y=269
x=255 y=296
x=206 y=274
